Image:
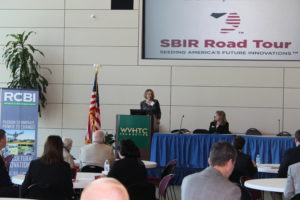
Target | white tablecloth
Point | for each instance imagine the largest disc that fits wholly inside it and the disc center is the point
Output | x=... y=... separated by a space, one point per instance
x=267 y=184
x=148 y=164
x=268 y=168
x=82 y=179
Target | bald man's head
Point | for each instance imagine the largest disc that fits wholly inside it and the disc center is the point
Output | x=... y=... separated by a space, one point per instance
x=99 y=137
x=105 y=189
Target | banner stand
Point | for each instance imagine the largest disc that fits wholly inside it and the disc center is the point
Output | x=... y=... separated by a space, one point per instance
x=19 y=118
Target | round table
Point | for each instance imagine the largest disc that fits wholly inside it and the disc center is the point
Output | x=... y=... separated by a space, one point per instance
x=267 y=184
x=82 y=179
x=268 y=168
x=148 y=164
x=14 y=199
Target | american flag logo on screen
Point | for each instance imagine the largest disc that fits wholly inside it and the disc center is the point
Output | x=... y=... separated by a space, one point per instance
x=94 y=122
x=232 y=22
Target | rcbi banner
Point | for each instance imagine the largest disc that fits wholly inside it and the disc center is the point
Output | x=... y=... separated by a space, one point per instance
x=222 y=29
x=19 y=118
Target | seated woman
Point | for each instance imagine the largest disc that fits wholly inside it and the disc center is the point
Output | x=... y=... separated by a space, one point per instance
x=68 y=142
x=129 y=170
x=49 y=177
x=220 y=124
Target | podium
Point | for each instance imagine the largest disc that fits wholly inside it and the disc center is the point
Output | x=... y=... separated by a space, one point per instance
x=139 y=129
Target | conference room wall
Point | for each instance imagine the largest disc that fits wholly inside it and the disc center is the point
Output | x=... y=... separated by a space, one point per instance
x=253 y=94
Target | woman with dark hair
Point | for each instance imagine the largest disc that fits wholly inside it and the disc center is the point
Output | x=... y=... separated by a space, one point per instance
x=129 y=170
x=150 y=105
x=49 y=177
x=220 y=124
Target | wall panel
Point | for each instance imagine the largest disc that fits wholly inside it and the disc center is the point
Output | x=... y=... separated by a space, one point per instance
x=32 y=18
x=104 y=55
x=102 y=19
x=101 y=37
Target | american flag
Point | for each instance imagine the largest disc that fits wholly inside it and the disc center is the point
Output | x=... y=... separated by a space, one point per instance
x=94 y=122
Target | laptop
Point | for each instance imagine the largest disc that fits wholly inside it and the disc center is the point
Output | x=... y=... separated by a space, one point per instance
x=137 y=112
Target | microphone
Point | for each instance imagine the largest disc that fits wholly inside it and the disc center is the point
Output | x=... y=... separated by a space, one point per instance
x=279 y=126
x=180 y=131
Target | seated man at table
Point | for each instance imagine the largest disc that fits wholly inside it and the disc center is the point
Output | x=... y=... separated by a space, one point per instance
x=103 y=189
x=243 y=164
x=292 y=186
x=212 y=183
x=291 y=156
x=6 y=187
x=97 y=152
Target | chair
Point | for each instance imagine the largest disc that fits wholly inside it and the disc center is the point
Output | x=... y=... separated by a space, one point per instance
x=169 y=169
x=163 y=187
x=8 y=160
x=255 y=194
x=296 y=197
x=44 y=192
x=181 y=131
x=74 y=171
x=253 y=131
x=284 y=134
x=92 y=168
x=142 y=191
x=201 y=131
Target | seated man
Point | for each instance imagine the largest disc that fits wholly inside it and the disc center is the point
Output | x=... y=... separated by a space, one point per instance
x=68 y=142
x=6 y=186
x=243 y=164
x=212 y=182
x=103 y=189
x=291 y=156
x=292 y=186
x=97 y=152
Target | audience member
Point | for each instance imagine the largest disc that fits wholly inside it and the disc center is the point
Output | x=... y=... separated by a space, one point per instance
x=68 y=142
x=291 y=156
x=220 y=124
x=6 y=187
x=243 y=164
x=129 y=170
x=97 y=152
x=212 y=182
x=292 y=186
x=49 y=177
x=105 y=189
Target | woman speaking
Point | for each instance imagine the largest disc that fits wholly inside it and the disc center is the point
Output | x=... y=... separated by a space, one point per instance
x=151 y=106
x=220 y=124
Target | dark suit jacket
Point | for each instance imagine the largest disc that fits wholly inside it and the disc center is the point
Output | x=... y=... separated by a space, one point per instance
x=243 y=167
x=4 y=176
x=55 y=176
x=291 y=156
x=152 y=110
x=129 y=171
x=223 y=129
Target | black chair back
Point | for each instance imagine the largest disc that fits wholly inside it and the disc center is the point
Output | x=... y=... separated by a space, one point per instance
x=201 y=131
x=296 y=197
x=142 y=191
x=253 y=131
x=284 y=134
x=92 y=168
x=45 y=192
